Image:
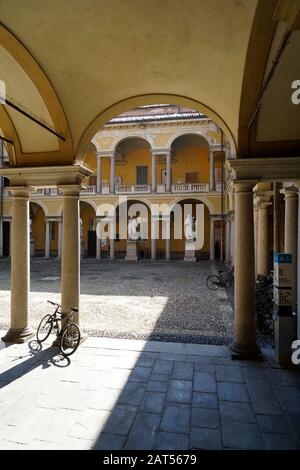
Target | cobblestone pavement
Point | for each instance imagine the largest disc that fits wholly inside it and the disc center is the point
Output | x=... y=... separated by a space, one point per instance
x=145 y=300
x=129 y=394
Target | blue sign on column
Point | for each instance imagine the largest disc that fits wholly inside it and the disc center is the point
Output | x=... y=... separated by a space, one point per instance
x=285 y=258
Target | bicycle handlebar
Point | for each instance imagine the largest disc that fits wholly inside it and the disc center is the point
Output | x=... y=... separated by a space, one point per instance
x=53 y=303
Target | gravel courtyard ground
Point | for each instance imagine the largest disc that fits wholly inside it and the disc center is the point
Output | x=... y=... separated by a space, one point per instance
x=144 y=300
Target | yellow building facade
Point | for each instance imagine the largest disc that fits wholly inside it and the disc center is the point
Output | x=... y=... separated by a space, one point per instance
x=158 y=155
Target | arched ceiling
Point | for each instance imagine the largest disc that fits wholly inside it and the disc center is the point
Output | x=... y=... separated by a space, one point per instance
x=269 y=121
x=93 y=57
x=188 y=139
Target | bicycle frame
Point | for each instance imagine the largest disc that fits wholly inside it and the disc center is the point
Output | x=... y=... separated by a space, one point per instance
x=60 y=323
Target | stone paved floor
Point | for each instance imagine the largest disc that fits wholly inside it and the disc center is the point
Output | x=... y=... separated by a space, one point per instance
x=144 y=300
x=129 y=394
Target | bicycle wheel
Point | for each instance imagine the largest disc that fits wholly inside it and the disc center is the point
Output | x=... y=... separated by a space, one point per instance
x=213 y=282
x=70 y=339
x=44 y=328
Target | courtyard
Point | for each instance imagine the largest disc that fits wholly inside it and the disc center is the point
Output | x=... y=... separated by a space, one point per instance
x=141 y=381
x=164 y=301
x=133 y=394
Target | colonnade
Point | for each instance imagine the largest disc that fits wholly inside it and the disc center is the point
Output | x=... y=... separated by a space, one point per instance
x=248 y=223
x=155 y=153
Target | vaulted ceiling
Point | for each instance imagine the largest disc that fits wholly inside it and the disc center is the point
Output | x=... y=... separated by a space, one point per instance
x=76 y=64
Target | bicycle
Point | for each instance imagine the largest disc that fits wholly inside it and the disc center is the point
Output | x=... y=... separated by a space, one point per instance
x=224 y=278
x=68 y=333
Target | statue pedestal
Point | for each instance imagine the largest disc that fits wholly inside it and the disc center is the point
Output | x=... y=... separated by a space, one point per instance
x=32 y=247
x=189 y=253
x=131 y=252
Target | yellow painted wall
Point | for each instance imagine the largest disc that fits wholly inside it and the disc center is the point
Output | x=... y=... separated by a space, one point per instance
x=191 y=159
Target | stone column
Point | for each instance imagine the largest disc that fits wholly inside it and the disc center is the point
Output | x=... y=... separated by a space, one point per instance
x=276 y=216
x=168 y=185
x=212 y=180
x=154 y=235
x=99 y=179
x=255 y=215
x=153 y=173
x=168 y=249
x=232 y=239
x=59 y=242
x=112 y=173
x=47 y=239
x=98 y=243
x=153 y=249
x=70 y=264
x=227 y=241
x=112 y=239
x=212 y=240
x=290 y=231
x=263 y=237
x=20 y=265
x=244 y=289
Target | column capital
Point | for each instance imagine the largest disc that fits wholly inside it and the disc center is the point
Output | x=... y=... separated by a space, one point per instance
x=70 y=190
x=290 y=192
x=215 y=148
x=46 y=176
x=161 y=151
x=53 y=218
x=244 y=186
x=21 y=191
x=107 y=154
x=263 y=199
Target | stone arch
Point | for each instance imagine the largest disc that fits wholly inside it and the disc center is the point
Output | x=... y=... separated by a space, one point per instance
x=202 y=199
x=140 y=100
x=186 y=133
x=90 y=203
x=132 y=136
x=41 y=205
x=37 y=83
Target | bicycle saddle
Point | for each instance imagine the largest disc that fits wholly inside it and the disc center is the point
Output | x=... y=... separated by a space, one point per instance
x=74 y=309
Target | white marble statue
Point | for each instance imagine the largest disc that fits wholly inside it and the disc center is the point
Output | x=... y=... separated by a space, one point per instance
x=188 y=227
x=132 y=229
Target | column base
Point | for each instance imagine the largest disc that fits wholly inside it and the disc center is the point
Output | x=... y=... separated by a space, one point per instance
x=250 y=352
x=18 y=336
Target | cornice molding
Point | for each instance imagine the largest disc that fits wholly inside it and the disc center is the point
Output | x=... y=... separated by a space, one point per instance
x=45 y=177
x=266 y=169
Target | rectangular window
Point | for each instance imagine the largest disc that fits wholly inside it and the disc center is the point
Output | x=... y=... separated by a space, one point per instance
x=141 y=175
x=191 y=178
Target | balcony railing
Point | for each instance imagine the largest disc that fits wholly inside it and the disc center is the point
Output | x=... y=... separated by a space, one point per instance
x=136 y=188
x=128 y=189
x=190 y=188
x=88 y=190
